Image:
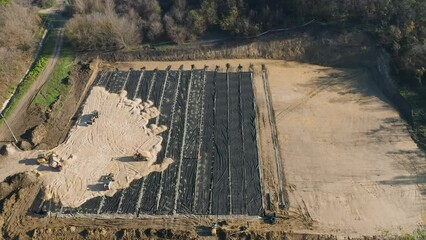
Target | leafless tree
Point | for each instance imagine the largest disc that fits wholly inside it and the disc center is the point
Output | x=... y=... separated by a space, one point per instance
x=18 y=41
x=102 y=30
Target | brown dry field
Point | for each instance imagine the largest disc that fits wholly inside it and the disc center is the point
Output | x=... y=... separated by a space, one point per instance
x=348 y=157
x=351 y=167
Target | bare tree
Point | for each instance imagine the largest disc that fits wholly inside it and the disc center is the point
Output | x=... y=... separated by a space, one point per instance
x=17 y=26
x=176 y=32
x=150 y=12
x=18 y=41
x=102 y=30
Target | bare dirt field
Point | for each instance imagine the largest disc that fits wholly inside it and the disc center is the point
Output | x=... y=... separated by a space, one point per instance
x=350 y=165
x=348 y=157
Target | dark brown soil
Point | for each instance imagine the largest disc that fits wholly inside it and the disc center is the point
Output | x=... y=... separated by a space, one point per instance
x=46 y=130
x=18 y=192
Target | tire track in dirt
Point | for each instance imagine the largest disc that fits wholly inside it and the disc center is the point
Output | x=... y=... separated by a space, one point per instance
x=283 y=113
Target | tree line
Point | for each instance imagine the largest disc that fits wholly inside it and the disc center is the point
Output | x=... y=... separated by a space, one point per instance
x=181 y=20
x=399 y=25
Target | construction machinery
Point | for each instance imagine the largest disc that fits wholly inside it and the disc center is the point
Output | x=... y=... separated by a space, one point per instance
x=94 y=115
x=270 y=217
x=214 y=229
x=108 y=181
x=108 y=185
x=52 y=159
x=42 y=158
x=141 y=156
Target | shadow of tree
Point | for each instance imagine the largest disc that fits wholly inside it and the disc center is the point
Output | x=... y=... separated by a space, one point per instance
x=413 y=162
x=419 y=179
x=391 y=129
x=355 y=84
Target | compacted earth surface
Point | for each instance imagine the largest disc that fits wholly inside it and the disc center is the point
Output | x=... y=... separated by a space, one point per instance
x=347 y=155
x=331 y=149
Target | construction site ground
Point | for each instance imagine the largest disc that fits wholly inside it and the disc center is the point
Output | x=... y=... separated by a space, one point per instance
x=350 y=165
x=208 y=122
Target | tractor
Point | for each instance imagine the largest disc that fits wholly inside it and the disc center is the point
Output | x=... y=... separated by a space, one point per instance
x=52 y=159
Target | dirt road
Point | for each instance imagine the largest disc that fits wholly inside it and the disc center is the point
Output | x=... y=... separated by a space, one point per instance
x=18 y=113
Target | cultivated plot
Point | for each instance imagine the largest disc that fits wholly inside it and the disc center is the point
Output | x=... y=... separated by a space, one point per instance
x=212 y=139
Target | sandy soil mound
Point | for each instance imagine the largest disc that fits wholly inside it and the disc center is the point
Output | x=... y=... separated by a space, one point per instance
x=94 y=151
x=38 y=134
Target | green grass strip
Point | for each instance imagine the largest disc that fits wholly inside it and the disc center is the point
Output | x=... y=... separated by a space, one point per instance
x=57 y=84
x=26 y=84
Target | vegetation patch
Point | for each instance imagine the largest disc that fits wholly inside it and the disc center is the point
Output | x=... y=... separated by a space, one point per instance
x=45 y=3
x=29 y=80
x=420 y=234
x=57 y=85
x=20 y=33
x=34 y=73
x=417 y=100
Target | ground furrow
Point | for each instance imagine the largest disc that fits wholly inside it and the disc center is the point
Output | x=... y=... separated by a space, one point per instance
x=185 y=126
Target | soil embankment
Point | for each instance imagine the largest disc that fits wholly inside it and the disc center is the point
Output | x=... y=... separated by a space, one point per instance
x=314 y=43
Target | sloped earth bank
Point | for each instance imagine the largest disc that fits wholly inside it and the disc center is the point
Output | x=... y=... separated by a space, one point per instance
x=94 y=151
x=351 y=168
x=57 y=119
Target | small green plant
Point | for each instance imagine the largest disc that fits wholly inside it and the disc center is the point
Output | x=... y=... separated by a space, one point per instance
x=420 y=234
x=4 y=1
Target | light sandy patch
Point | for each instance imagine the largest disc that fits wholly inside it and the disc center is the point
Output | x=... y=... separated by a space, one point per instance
x=94 y=151
x=348 y=156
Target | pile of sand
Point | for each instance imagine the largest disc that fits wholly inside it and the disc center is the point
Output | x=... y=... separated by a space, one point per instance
x=94 y=151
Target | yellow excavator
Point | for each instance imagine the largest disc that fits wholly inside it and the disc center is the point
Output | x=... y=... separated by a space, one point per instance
x=52 y=159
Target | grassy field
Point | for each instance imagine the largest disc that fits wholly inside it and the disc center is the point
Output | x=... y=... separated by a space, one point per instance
x=57 y=85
